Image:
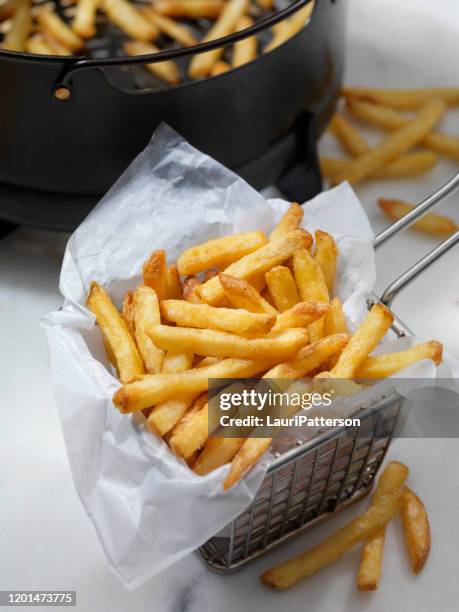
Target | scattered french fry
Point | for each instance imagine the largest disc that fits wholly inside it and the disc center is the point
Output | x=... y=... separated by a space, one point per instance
x=289 y=222
x=389 y=363
x=53 y=25
x=191 y=9
x=116 y=334
x=219 y=252
x=201 y=64
x=416 y=528
x=245 y=50
x=84 y=22
x=146 y=315
x=242 y=295
x=154 y=273
x=404 y=99
x=395 y=144
x=170 y=27
x=384 y=507
x=282 y=287
x=130 y=20
x=16 y=38
x=167 y=70
x=431 y=223
x=349 y=136
x=370 y=565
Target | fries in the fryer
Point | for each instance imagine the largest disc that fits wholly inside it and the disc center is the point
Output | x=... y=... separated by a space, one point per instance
x=190 y=9
x=245 y=50
x=201 y=64
x=219 y=68
x=395 y=144
x=383 y=508
x=243 y=295
x=430 y=223
x=289 y=27
x=129 y=19
x=84 y=22
x=416 y=528
x=16 y=38
x=403 y=99
x=166 y=70
x=170 y=27
x=37 y=44
x=116 y=334
x=53 y=25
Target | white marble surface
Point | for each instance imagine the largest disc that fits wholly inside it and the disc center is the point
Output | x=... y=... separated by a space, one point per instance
x=47 y=542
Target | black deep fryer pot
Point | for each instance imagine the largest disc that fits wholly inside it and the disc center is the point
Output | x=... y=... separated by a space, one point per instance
x=262 y=119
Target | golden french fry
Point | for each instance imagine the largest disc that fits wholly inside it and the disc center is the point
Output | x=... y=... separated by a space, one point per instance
x=84 y=22
x=127 y=312
x=282 y=287
x=382 y=509
x=191 y=9
x=166 y=415
x=174 y=284
x=204 y=316
x=219 y=68
x=430 y=223
x=386 y=365
x=395 y=144
x=154 y=272
x=170 y=27
x=130 y=20
x=389 y=119
x=56 y=46
x=301 y=315
x=178 y=361
x=289 y=27
x=219 y=252
x=259 y=262
x=37 y=44
x=245 y=50
x=190 y=439
x=365 y=339
x=196 y=406
x=153 y=389
x=348 y=135
x=167 y=70
x=371 y=562
x=189 y=290
x=53 y=25
x=411 y=164
x=201 y=64
x=16 y=38
x=213 y=343
x=290 y=221
x=325 y=255
x=416 y=528
x=146 y=315
x=116 y=334
x=311 y=285
x=242 y=295
x=216 y=452
x=335 y=321
x=404 y=99
x=248 y=455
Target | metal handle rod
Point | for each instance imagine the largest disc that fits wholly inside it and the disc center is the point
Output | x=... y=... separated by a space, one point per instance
x=409 y=219
x=425 y=262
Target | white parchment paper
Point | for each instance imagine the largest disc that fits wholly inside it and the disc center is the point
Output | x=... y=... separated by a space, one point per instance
x=147 y=506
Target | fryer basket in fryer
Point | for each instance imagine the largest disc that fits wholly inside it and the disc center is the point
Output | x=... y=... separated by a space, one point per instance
x=318 y=478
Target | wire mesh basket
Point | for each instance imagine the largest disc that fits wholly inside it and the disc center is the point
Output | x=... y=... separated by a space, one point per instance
x=314 y=480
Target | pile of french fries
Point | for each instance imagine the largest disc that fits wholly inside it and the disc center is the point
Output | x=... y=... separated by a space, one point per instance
x=41 y=29
x=390 y=497
x=239 y=306
x=396 y=156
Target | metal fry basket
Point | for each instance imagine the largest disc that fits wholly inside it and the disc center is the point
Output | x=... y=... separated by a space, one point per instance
x=314 y=480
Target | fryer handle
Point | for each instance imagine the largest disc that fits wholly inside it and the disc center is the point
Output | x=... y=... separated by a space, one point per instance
x=62 y=87
x=425 y=262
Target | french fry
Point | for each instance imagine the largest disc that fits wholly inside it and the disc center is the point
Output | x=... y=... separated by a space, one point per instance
x=53 y=25
x=219 y=252
x=191 y=9
x=153 y=389
x=265 y=4
x=7 y=9
x=190 y=439
x=390 y=363
x=170 y=27
x=291 y=220
x=335 y=323
x=57 y=47
x=116 y=334
x=204 y=316
x=395 y=144
x=404 y=99
x=127 y=312
x=167 y=70
x=371 y=562
x=216 y=452
x=174 y=284
x=197 y=405
x=289 y=27
x=301 y=315
x=271 y=254
x=146 y=315
x=154 y=272
x=84 y=22
x=348 y=135
x=178 y=361
x=201 y=64
x=166 y=415
x=431 y=223
x=383 y=508
x=411 y=164
x=245 y=50
x=282 y=287
x=364 y=340
x=37 y=44
x=389 y=119
x=219 y=68
x=130 y=20
x=189 y=290
x=247 y=456
x=325 y=255
x=311 y=285
x=242 y=295
x=210 y=342
x=416 y=528
x=16 y=38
